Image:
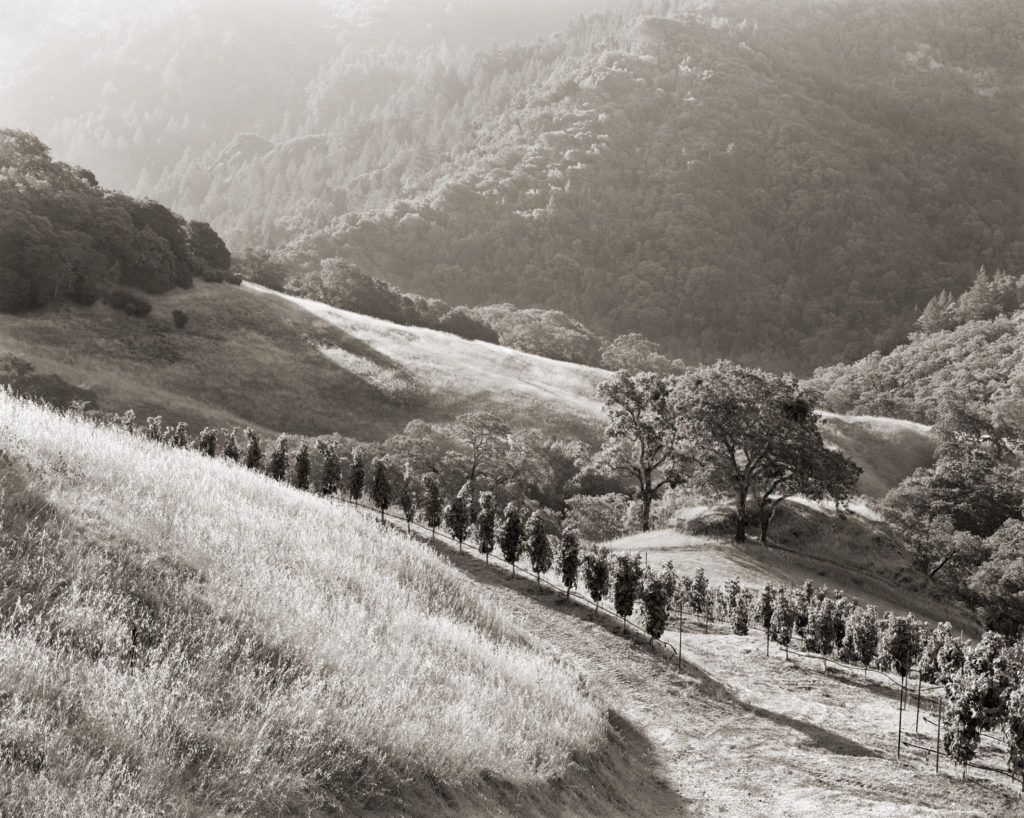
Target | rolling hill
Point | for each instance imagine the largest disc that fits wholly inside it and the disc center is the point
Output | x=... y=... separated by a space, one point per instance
x=251 y=356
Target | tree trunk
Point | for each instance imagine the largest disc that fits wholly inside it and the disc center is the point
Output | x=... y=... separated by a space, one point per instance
x=741 y=516
x=645 y=519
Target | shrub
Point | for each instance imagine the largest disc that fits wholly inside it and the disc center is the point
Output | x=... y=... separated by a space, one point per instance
x=740 y=616
x=277 y=466
x=538 y=548
x=357 y=477
x=231 y=446
x=180 y=318
x=456 y=514
x=510 y=535
x=627 y=584
x=485 y=524
x=207 y=443
x=330 y=469
x=128 y=302
x=253 y=450
x=568 y=559
x=301 y=467
x=380 y=487
x=596 y=574
x=432 y=503
x=407 y=498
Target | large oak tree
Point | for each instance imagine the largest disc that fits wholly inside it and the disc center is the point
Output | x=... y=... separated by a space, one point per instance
x=755 y=434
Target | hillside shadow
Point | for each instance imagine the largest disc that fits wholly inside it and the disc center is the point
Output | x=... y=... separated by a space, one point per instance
x=495 y=575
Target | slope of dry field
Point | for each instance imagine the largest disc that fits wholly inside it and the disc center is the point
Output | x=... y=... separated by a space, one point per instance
x=734 y=733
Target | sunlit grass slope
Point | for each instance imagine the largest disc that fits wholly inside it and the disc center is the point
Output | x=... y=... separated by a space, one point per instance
x=254 y=357
x=181 y=636
x=887 y=449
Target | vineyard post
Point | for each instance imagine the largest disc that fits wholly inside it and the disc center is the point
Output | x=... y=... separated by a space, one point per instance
x=680 y=633
x=899 y=728
x=938 y=733
x=917 y=718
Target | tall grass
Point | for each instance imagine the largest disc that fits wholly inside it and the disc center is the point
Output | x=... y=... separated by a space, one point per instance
x=180 y=634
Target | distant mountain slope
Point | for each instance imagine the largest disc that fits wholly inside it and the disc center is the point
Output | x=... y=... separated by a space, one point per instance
x=781 y=183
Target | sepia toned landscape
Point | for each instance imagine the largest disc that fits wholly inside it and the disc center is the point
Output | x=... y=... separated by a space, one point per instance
x=491 y=408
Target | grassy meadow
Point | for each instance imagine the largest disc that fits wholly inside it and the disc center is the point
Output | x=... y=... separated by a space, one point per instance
x=181 y=636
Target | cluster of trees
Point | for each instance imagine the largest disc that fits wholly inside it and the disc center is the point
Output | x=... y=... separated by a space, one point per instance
x=748 y=434
x=967 y=350
x=550 y=333
x=62 y=236
x=962 y=517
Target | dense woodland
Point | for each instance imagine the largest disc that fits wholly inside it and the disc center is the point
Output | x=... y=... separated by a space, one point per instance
x=63 y=236
x=962 y=370
x=786 y=185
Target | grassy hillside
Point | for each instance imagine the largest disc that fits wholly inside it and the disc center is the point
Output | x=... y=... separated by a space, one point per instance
x=855 y=554
x=178 y=634
x=887 y=449
x=251 y=356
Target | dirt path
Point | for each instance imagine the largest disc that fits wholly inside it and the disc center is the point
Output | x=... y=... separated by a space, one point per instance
x=735 y=733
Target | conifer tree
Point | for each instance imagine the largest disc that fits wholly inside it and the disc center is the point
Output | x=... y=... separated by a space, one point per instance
x=568 y=558
x=380 y=487
x=330 y=469
x=763 y=613
x=179 y=439
x=277 y=465
x=596 y=574
x=510 y=535
x=485 y=521
x=456 y=514
x=407 y=498
x=432 y=503
x=538 y=546
x=231 y=445
x=301 y=467
x=253 y=450
x=357 y=477
x=207 y=443
x=627 y=574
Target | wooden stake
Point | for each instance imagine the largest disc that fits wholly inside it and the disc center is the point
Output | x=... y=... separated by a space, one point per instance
x=938 y=733
x=899 y=728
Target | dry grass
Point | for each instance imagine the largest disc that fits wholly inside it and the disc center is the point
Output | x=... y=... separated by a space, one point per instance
x=855 y=554
x=887 y=449
x=178 y=635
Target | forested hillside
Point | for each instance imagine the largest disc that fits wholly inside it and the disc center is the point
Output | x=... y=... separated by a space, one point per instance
x=63 y=236
x=785 y=184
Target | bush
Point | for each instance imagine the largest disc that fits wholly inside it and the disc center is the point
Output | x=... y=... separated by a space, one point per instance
x=180 y=318
x=128 y=302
